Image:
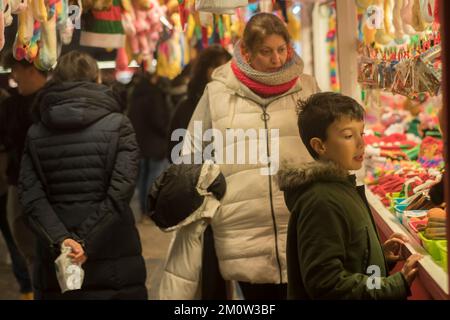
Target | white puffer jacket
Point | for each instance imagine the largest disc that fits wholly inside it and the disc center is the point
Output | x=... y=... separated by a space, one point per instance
x=181 y=278
x=250 y=226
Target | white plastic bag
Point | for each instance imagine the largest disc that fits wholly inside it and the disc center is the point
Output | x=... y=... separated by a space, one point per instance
x=70 y=275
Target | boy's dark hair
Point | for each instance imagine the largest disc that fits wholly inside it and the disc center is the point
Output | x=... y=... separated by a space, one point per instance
x=319 y=111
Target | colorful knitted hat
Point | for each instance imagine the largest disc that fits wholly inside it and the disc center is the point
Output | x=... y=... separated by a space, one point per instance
x=103 y=29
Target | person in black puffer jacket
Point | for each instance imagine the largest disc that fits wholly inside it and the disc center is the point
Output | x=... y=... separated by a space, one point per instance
x=76 y=180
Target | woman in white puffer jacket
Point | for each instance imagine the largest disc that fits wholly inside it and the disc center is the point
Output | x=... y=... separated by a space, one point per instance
x=257 y=92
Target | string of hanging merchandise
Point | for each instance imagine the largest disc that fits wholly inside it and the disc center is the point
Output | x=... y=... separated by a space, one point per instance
x=331 y=42
x=411 y=71
x=417 y=46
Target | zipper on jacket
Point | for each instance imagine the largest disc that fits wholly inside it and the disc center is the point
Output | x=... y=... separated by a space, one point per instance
x=265 y=117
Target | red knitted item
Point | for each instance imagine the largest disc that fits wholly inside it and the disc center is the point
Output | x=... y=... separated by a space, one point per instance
x=261 y=89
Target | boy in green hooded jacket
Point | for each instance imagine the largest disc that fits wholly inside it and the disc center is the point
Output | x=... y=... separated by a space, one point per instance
x=333 y=248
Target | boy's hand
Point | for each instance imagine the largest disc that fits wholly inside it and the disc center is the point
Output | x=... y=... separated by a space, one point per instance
x=77 y=254
x=410 y=269
x=392 y=247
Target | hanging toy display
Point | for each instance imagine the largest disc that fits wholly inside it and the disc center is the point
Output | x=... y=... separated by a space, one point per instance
x=173 y=53
x=25 y=32
x=142 y=27
x=18 y=6
x=101 y=5
x=331 y=41
x=64 y=24
x=219 y=6
x=123 y=73
x=397 y=22
x=103 y=28
x=206 y=20
x=184 y=13
x=39 y=24
x=409 y=73
x=47 y=55
x=410 y=65
x=266 y=5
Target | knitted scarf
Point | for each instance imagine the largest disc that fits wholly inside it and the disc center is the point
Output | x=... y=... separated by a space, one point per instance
x=266 y=84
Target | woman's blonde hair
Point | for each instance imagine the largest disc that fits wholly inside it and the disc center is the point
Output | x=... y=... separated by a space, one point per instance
x=259 y=27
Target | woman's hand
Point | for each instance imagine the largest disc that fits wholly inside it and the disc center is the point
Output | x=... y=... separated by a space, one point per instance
x=77 y=254
x=392 y=247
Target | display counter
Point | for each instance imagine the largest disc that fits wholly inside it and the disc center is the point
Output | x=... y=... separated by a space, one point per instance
x=433 y=279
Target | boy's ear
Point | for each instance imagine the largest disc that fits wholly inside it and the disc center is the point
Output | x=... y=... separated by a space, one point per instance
x=318 y=146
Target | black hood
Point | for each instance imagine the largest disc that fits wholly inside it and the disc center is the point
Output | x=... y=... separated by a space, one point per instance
x=74 y=105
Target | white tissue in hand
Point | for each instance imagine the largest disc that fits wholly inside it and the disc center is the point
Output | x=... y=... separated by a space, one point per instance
x=70 y=275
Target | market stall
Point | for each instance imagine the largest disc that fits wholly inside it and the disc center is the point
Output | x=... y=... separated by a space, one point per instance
x=394 y=65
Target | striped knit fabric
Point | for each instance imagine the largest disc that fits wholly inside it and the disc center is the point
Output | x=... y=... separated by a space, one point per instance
x=261 y=89
x=103 y=29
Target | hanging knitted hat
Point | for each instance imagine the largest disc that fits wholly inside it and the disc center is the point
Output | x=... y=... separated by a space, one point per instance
x=97 y=5
x=103 y=29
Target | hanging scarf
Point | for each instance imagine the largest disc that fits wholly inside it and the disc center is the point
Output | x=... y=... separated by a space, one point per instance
x=266 y=84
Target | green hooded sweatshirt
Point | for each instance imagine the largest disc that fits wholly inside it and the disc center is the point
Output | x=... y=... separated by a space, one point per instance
x=333 y=248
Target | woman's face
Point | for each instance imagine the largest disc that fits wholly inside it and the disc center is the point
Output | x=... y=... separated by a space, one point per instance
x=271 y=55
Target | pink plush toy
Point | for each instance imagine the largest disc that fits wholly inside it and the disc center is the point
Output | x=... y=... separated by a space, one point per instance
x=142 y=28
x=128 y=18
x=155 y=24
x=147 y=27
